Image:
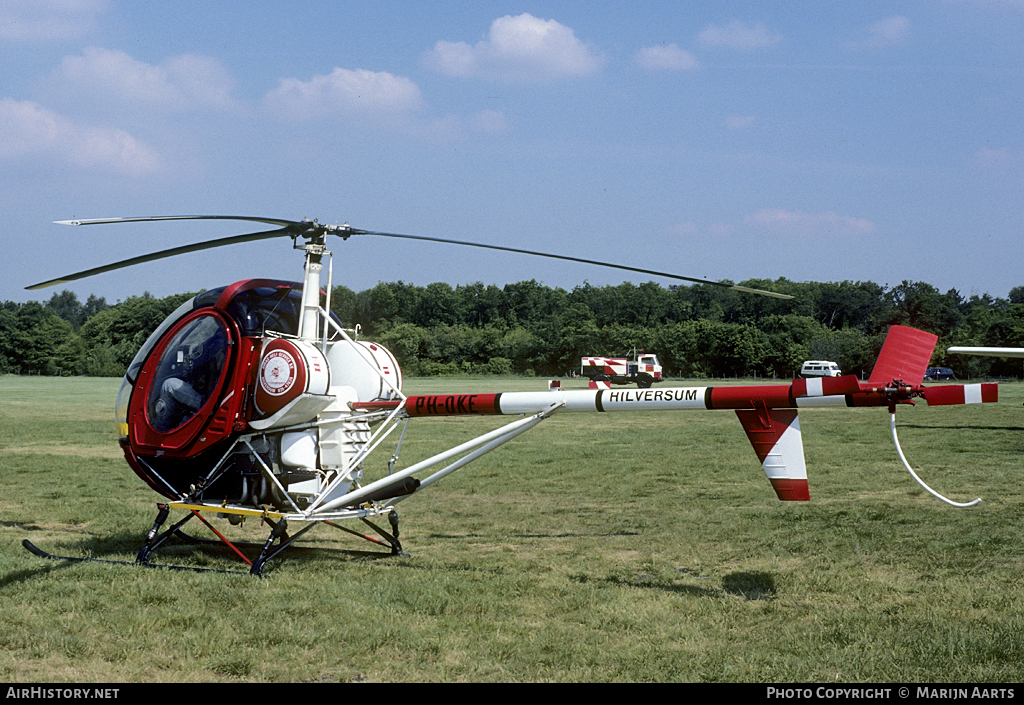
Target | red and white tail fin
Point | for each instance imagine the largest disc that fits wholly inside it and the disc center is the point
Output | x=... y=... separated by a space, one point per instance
x=905 y=355
x=773 y=426
x=775 y=435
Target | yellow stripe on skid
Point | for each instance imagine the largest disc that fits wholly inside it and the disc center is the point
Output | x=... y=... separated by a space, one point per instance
x=241 y=511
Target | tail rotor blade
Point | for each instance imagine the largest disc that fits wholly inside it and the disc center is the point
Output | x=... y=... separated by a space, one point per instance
x=950 y=394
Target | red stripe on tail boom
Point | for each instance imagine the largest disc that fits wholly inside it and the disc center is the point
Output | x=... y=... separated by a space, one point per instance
x=452 y=404
x=826 y=386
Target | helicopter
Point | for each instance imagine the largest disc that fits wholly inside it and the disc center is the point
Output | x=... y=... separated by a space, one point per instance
x=252 y=400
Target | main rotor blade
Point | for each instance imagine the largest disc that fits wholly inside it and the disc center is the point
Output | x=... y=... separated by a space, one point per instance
x=184 y=249
x=148 y=218
x=762 y=292
x=307 y=228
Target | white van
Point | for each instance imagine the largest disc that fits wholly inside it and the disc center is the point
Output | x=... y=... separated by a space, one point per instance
x=820 y=368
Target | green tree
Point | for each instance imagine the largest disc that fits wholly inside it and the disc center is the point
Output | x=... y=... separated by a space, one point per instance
x=437 y=305
x=528 y=303
x=66 y=306
x=124 y=328
x=750 y=308
x=345 y=304
x=407 y=343
x=860 y=305
x=41 y=342
x=1007 y=331
x=854 y=352
x=920 y=305
x=9 y=359
x=480 y=305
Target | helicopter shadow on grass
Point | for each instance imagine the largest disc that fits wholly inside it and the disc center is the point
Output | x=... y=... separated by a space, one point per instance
x=951 y=428
x=110 y=548
x=182 y=552
x=435 y=536
x=122 y=548
x=750 y=585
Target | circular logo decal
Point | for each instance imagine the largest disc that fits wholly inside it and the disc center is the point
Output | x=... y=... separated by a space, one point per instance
x=277 y=372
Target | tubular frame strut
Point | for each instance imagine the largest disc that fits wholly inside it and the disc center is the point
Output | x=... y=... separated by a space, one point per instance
x=278 y=540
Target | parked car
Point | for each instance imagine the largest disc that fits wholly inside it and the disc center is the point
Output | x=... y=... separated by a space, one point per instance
x=939 y=373
x=820 y=368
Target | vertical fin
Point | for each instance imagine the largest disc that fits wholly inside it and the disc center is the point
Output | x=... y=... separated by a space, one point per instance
x=775 y=436
x=904 y=356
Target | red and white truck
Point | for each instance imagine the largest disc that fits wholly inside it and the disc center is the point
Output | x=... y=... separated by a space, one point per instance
x=640 y=368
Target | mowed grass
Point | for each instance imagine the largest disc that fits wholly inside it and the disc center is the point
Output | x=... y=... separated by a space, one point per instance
x=597 y=547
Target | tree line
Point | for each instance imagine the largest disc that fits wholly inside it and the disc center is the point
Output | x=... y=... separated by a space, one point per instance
x=528 y=328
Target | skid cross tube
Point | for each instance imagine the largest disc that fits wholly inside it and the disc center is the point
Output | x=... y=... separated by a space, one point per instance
x=278 y=540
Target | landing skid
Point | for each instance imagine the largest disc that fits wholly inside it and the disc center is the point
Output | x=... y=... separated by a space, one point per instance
x=275 y=544
x=35 y=550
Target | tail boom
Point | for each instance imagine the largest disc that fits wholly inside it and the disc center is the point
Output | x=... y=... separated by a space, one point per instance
x=768 y=413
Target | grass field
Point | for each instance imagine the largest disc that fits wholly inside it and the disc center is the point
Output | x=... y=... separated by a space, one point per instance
x=642 y=547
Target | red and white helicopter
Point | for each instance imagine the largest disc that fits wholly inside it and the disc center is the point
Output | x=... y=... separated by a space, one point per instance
x=252 y=400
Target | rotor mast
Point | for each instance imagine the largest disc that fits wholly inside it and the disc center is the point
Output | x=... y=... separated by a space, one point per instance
x=315 y=247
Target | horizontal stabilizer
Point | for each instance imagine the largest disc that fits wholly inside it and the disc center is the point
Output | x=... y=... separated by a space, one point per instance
x=775 y=435
x=904 y=356
x=949 y=394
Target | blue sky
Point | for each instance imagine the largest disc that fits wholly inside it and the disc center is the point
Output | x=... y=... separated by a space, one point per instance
x=818 y=141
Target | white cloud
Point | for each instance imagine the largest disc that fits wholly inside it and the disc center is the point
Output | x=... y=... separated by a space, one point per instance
x=800 y=224
x=685 y=228
x=48 y=20
x=489 y=122
x=344 y=92
x=521 y=48
x=666 y=58
x=1001 y=158
x=997 y=4
x=739 y=122
x=177 y=83
x=886 y=32
x=30 y=131
x=453 y=127
x=737 y=35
